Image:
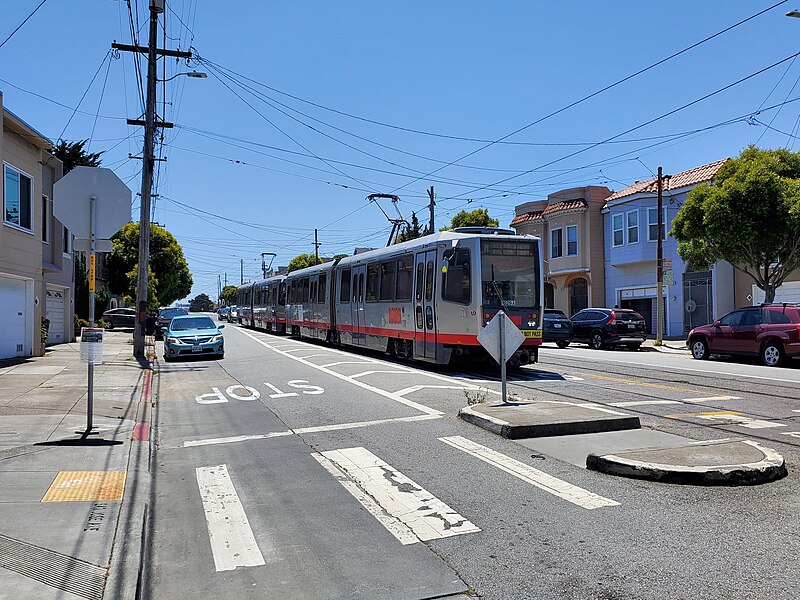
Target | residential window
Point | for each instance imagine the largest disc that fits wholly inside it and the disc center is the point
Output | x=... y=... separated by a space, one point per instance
x=45 y=220
x=572 y=240
x=618 y=227
x=18 y=200
x=652 y=224
x=67 y=242
x=633 y=226
x=557 y=243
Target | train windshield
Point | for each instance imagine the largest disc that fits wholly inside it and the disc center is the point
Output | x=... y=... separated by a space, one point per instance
x=510 y=274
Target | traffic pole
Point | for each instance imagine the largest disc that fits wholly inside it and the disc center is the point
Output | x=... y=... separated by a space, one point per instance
x=660 y=265
x=92 y=274
x=502 y=317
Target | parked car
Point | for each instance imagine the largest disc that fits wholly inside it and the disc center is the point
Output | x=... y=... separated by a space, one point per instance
x=165 y=316
x=769 y=331
x=556 y=327
x=120 y=317
x=193 y=335
x=233 y=314
x=222 y=313
x=603 y=327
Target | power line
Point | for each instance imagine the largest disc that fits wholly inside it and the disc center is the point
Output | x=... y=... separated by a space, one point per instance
x=10 y=35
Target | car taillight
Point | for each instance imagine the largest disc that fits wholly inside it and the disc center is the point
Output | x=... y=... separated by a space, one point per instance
x=613 y=318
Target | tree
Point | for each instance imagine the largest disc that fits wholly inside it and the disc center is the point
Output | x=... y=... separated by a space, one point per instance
x=73 y=154
x=301 y=261
x=168 y=266
x=748 y=216
x=228 y=294
x=412 y=231
x=335 y=256
x=477 y=218
x=201 y=303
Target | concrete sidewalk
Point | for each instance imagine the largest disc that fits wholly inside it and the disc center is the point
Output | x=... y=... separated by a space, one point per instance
x=66 y=497
x=671 y=346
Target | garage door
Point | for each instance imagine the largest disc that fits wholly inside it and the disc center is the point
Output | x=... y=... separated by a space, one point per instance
x=788 y=292
x=12 y=323
x=55 y=314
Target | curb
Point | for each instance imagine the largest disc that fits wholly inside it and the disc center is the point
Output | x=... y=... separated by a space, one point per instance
x=515 y=432
x=771 y=468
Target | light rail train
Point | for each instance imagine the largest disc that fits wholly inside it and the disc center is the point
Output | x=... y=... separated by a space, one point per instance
x=426 y=299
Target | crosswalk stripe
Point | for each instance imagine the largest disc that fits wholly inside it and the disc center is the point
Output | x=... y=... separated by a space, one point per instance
x=232 y=542
x=642 y=403
x=548 y=483
x=401 y=499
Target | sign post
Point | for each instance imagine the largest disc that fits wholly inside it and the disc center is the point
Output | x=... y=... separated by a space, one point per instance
x=92 y=202
x=501 y=338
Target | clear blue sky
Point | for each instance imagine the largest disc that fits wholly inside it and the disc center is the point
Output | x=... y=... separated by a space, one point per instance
x=270 y=168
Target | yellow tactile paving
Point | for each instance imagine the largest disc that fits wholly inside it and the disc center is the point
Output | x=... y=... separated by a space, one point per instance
x=86 y=486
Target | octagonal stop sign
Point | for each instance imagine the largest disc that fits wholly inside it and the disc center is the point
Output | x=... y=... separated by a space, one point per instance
x=71 y=202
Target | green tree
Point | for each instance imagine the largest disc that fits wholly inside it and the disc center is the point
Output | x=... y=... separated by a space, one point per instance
x=73 y=154
x=748 y=216
x=412 y=231
x=476 y=218
x=228 y=294
x=301 y=261
x=201 y=303
x=168 y=267
x=335 y=256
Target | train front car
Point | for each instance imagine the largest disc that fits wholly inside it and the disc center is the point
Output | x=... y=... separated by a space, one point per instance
x=269 y=304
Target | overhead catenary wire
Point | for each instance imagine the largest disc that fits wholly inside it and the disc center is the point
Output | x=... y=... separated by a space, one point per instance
x=25 y=20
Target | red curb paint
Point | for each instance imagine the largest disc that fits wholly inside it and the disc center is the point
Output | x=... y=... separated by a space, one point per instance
x=147 y=388
x=141 y=432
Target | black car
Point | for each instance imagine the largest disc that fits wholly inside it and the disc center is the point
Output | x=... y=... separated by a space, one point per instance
x=120 y=317
x=603 y=327
x=165 y=316
x=556 y=327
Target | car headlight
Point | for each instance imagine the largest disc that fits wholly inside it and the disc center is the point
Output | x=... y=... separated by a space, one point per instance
x=217 y=338
x=172 y=340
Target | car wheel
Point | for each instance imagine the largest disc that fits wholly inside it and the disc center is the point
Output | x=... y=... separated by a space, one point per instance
x=700 y=349
x=110 y=324
x=562 y=343
x=772 y=353
x=167 y=358
x=634 y=347
x=596 y=340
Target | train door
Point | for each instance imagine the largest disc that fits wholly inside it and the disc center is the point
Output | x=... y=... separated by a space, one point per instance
x=357 y=308
x=424 y=311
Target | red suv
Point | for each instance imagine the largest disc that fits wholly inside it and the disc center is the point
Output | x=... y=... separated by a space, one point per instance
x=770 y=331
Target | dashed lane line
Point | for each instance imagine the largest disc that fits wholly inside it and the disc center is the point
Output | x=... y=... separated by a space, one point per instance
x=233 y=544
x=552 y=485
x=404 y=500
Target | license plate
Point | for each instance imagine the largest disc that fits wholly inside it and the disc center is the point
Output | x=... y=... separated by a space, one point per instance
x=532 y=333
x=631 y=326
x=557 y=325
x=196 y=349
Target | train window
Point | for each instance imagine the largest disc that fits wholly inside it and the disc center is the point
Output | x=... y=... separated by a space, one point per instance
x=361 y=288
x=321 y=291
x=290 y=293
x=282 y=293
x=304 y=293
x=387 y=280
x=429 y=281
x=344 y=287
x=312 y=295
x=456 y=280
x=420 y=271
x=405 y=272
x=356 y=288
x=373 y=278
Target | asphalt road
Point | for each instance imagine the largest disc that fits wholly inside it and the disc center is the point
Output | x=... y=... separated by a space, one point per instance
x=295 y=470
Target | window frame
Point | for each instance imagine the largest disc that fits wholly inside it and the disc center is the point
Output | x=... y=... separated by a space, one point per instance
x=577 y=245
x=342 y=289
x=446 y=274
x=31 y=208
x=373 y=270
x=66 y=243
x=628 y=226
x=391 y=264
x=407 y=260
x=654 y=238
x=615 y=229
x=322 y=284
x=46 y=228
x=560 y=246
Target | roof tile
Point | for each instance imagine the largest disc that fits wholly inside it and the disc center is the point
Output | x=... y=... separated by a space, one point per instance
x=672 y=182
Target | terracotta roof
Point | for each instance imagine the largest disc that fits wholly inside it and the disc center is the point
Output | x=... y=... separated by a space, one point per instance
x=529 y=217
x=565 y=205
x=671 y=182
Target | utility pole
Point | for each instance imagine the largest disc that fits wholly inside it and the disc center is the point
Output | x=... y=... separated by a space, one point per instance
x=219 y=287
x=431 y=205
x=316 y=247
x=226 y=279
x=241 y=271
x=660 y=261
x=148 y=159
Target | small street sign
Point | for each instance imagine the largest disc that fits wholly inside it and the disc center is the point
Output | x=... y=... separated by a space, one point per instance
x=666 y=264
x=91 y=350
x=668 y=278
x=501 y=338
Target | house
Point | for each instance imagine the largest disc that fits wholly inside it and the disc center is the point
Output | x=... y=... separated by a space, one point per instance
x=36 y=272
x=570 y=224
x=692 y=298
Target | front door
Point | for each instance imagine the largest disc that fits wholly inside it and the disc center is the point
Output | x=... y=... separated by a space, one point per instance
x=357 y=313
x=424 y=311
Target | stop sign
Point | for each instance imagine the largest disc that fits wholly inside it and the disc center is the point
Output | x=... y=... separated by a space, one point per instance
x=71 y=201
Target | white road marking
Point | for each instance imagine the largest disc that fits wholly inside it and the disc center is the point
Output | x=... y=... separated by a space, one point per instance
x=712 y=398
x=278 y=393
x=421 y=408
x=794 y=434
x=573 y=378
x=348 y=362
x=402 y=498
x=365 y=373
x=642 y=403
x=548 y=483
x=303 y=430
x=416 y=388
x=398 y=529
x=748 y=422
x=298 y=349
x=214 y=397
x=232 y=542
x=314 y=355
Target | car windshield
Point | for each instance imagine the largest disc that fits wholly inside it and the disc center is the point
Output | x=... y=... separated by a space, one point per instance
x=510 y=274
x=192 y=323
x=169 y=313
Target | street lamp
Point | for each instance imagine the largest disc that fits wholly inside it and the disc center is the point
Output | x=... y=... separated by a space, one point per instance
x=793 y=13
x=192 y=74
